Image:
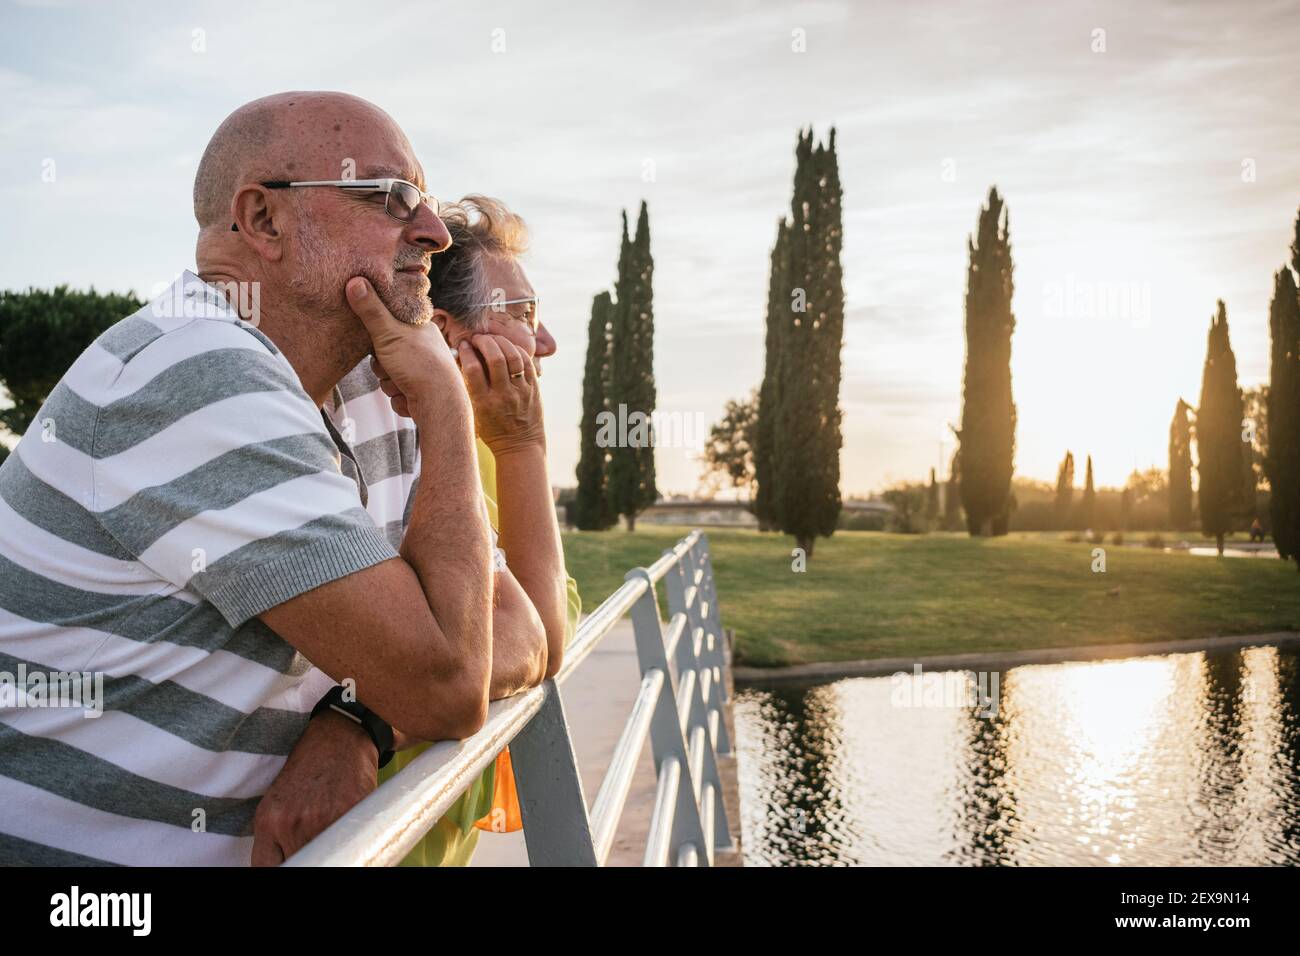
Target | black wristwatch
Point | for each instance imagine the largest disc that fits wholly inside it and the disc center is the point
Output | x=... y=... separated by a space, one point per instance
x=378 y=729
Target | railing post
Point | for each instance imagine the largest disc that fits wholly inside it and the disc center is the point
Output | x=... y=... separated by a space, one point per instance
x=705 y=701
x=717 y=654
x=557 y=829
x=667 y=741
x=715 y=614
x=705 y=775
x=688 y=595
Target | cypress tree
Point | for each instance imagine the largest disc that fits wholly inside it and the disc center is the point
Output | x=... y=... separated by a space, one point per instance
x=1088 y=507
x=592 y=510
x=988 y=425
x=632 y=384
x=1180 y=469
x=1283 y=462
x=952 y=496
x=932 y=503
x=1249 y=506
x=1218 y=434
x=806 y=445
x=769 y=396
x=1064 y=491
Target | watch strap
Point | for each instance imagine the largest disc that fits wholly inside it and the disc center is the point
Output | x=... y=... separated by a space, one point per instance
x=381 y=734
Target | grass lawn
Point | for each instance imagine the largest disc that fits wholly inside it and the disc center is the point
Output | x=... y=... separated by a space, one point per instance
x=868 y=594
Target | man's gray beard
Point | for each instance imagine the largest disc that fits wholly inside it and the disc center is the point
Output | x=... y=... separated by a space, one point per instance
x=414 y=309
x=325 y=271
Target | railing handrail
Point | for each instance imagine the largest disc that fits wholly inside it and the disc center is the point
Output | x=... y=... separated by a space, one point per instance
x=389 y=822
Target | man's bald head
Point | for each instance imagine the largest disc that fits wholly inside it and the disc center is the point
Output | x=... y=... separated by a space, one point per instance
x=303 y=245
x=298 y=135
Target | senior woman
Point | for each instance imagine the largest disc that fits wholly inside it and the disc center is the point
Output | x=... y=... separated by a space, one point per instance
x=487 y=311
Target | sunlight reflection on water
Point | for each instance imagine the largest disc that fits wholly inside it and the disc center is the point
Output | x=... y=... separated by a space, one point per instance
x=1179 y=759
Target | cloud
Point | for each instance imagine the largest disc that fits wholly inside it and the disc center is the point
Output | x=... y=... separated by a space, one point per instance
x=1118 y=164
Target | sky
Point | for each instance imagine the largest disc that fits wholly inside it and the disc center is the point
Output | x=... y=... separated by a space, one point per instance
x=1149 y=155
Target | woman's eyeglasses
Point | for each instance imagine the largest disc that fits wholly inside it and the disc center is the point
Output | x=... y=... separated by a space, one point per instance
x=401 y=199
x=528 y=316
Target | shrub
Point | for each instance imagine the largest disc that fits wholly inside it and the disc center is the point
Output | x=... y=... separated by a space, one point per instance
x=41 y=334
x=860 y=521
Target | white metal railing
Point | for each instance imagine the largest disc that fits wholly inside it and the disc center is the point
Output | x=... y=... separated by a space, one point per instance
x=679 y=707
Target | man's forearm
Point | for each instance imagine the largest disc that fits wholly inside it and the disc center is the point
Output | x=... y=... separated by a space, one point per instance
x=530 y=537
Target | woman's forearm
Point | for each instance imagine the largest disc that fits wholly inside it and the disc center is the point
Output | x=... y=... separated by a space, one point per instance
x=519 y=649
x=530 y=538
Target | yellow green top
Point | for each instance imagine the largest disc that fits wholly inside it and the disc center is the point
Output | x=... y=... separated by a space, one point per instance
x=452 y=839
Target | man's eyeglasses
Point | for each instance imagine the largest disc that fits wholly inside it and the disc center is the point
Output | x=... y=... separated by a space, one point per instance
x=401 y=199
x=528 y=316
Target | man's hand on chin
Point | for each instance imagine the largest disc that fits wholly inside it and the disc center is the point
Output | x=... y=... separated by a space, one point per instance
x=332 y=767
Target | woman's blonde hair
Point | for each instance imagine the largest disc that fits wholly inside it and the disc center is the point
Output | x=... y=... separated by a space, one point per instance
x=480 y=226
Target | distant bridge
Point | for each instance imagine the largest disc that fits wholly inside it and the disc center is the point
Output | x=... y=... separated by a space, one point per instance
x=856 y=506
x=726 y=514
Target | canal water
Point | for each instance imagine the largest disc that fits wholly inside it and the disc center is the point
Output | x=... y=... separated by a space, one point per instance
x=1177 y=759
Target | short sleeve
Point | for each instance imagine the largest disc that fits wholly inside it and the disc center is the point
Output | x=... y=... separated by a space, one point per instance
x=219 y=475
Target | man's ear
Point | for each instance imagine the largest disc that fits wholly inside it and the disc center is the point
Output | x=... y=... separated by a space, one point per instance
x=255 y=217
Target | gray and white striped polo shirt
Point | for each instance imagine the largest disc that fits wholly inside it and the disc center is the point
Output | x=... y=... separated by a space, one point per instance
x=177 y=483
x=385 y=459
x=384 y=445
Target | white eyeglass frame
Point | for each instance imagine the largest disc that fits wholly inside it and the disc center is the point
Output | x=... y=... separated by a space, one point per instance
x=531 y=323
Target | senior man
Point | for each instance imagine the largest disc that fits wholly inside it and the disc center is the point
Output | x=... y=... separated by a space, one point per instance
x=177 y=522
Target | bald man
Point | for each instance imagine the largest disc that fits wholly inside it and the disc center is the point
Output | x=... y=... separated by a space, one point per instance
x=186 y=532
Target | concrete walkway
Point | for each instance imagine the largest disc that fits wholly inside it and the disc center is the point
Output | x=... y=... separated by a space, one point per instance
x=598 y=699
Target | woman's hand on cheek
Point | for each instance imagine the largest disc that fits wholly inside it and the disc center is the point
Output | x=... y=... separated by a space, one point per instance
x=502 y=385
